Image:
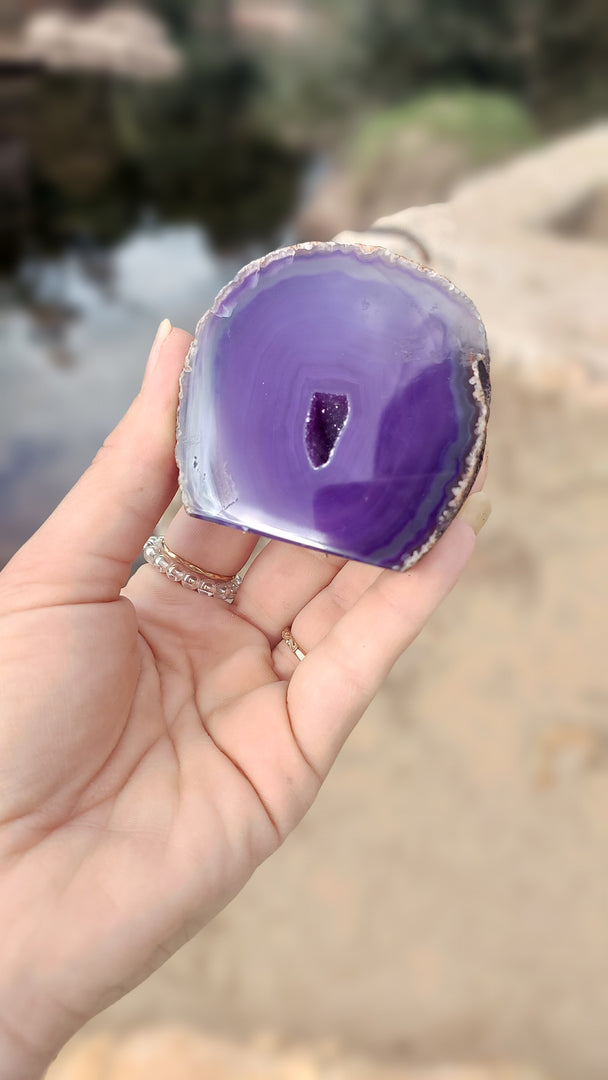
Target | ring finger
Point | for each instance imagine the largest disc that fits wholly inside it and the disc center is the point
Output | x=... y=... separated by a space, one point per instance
x=216 y=548
x=316 y=618
x=321 y=614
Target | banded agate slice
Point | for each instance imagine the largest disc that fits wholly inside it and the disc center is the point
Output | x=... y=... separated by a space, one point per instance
x=335 y=396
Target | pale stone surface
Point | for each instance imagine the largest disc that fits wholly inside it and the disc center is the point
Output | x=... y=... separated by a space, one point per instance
x=120 y=39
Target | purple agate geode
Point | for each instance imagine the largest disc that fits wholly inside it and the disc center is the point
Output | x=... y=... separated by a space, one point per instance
x=336 y=396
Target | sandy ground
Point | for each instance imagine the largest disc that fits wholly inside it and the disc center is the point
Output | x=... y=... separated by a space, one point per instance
x=447 y=897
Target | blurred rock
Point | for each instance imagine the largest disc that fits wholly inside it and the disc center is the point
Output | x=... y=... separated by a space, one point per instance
x=180 y=1053
x=118 y=40
x=285 y=21
x=416 y=167
x=414 y=154
x=540 y=293
x=587 y=217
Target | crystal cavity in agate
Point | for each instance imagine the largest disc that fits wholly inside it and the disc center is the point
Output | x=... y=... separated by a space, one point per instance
x=335 y=396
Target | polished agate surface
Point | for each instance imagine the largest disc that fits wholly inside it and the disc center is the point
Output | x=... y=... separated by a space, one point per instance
x=335 y=396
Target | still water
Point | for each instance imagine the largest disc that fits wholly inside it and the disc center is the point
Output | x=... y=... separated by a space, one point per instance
x=74 y=335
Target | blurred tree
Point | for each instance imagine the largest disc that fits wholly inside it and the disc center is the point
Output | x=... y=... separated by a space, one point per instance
x=201 y=151
x=412 y=44
x=564 y=50
x=553 y=53
x=83 y=186
x=224 y=142
x=206 y=19
x=177 y=15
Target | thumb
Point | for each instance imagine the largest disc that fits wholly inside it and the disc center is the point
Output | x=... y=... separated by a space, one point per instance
x=83 y=552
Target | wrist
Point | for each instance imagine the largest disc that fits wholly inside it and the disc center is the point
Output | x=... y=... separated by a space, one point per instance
x=33 y=1023
x=18 y=1059
x=31 y=1031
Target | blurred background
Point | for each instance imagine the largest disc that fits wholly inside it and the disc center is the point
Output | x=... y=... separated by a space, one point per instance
x=443 y=910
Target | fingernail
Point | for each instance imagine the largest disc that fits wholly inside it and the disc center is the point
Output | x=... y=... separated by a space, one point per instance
x=164 y=329
x=476 y=511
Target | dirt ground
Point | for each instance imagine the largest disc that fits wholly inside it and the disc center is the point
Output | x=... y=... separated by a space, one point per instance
x=446 y=900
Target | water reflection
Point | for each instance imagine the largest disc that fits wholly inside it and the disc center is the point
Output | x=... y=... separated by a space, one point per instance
x=84 y=157
x=74 y=334
x=93 y=169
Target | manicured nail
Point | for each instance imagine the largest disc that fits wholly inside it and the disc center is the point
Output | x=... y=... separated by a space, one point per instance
x=476 y=511
x=161 y=336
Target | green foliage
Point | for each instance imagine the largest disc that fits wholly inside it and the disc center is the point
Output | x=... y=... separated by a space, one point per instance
x=489 y=125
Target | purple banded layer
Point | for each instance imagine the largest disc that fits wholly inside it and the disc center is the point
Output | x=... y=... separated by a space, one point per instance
x=335 y=396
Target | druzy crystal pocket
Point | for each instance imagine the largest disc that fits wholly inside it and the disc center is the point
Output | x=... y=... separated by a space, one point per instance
x=336 y=396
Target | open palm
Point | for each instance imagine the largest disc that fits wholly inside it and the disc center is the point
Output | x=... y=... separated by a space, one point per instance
x=156 y=745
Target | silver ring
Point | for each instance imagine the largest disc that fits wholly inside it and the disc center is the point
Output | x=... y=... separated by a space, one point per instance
x=292 y=644
x=193 y=577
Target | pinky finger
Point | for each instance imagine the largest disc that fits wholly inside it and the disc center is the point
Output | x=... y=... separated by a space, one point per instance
x=329 y=691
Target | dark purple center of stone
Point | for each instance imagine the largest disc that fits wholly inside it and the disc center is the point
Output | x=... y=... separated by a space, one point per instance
x=326 y=418
x=333 y=401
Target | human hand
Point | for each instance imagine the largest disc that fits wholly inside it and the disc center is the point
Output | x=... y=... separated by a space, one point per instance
x=157 y=745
